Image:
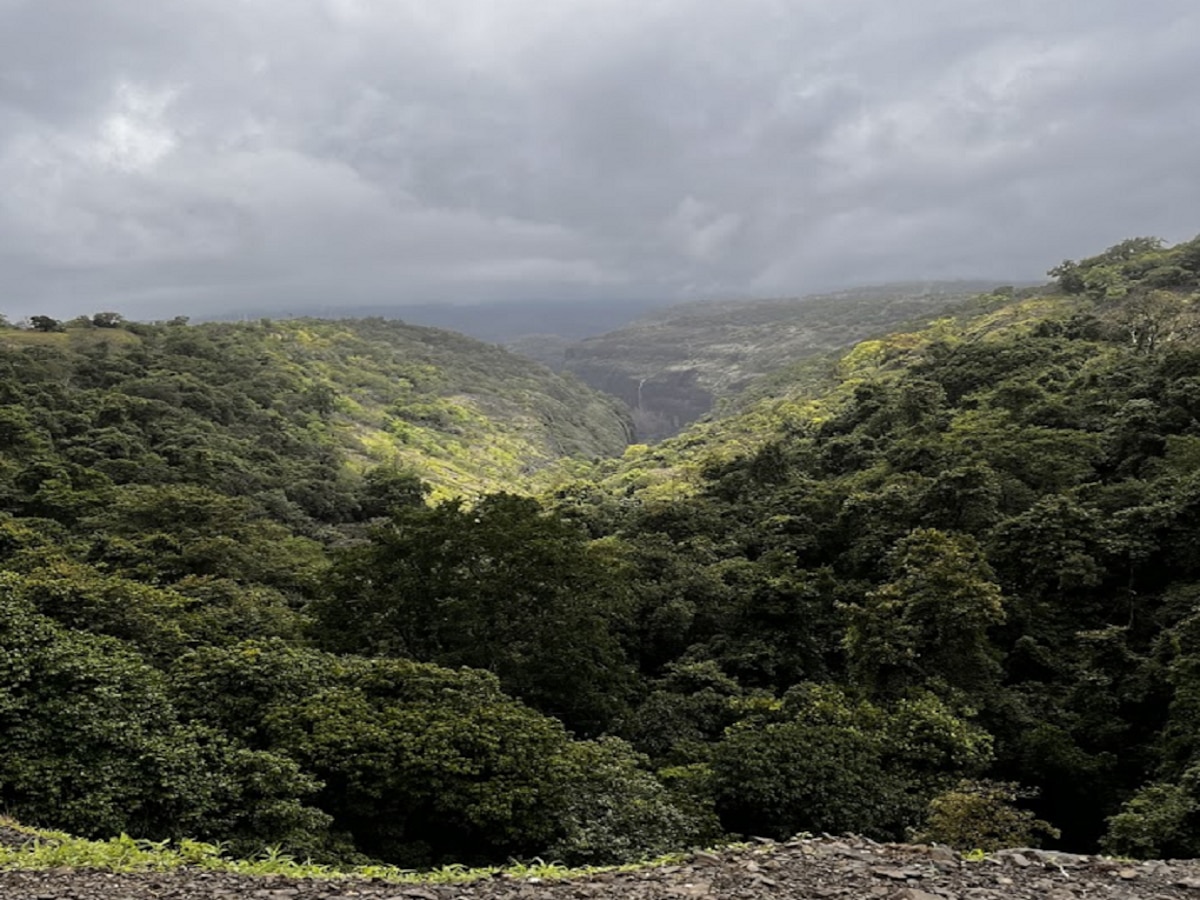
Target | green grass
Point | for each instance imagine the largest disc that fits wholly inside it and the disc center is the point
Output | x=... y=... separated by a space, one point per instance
x=52 y=849
x=13 y=338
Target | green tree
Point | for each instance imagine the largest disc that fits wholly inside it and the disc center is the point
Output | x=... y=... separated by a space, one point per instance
x=145 y=618
x=92 y=744
x=984 y=815
x=611 y=809
x=235 y=689
x=689 y=707
x=385 y=488
x=423 y=764
x=1162 y=820
x=499 y=586
x=928 y=626
x=821 y=761
x=45 y=323
x=108 y=320
x=1153 y=318
x=1068 y=276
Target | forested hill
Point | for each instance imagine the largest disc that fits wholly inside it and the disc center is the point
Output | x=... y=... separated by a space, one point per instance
x=292 y=408
x=1000 y=511
x=670 y=367
x=1137 y=291
x=941 y=586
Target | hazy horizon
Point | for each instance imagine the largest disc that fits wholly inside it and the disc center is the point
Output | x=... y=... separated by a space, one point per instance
x=204 y=157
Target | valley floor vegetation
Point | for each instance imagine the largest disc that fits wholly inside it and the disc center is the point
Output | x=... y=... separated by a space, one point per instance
x=945 y=585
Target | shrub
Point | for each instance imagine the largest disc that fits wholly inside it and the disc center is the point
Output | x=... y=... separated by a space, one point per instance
x=983 y=815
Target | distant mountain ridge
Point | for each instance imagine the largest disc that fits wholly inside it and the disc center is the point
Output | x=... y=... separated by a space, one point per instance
x=496 y=323
x=671 y=366
x=669 y=363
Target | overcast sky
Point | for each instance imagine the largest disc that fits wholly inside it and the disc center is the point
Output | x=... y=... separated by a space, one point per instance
x=167 y=156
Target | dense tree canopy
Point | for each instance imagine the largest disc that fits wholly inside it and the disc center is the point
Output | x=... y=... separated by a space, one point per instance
x=498 y=586
x=945 y=583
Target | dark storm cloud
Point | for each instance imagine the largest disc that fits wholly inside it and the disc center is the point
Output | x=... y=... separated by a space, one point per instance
x=210 y=154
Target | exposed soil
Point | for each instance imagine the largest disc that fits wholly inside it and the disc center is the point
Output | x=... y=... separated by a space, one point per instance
x=804 y=868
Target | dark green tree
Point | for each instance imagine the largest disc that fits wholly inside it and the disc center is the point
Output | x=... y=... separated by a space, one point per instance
x=821 y=761
x=92 y=744
x=45 y=323
x=927 y=627
x=500 y=586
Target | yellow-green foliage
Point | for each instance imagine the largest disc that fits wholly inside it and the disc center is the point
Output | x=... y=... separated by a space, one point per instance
x=55 y=849
x=983 y=815
x=802 y=396
x=468 y=417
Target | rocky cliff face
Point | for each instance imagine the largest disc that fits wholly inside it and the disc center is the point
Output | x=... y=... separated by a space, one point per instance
x=660 y=403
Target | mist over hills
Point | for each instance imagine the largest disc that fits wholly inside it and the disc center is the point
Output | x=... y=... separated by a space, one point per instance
x=500 y=322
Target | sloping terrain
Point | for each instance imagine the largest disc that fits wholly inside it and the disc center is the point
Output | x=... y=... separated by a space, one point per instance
x=671 y=367
x=999 y=508
x=812 y=387
x=943 y=583
x=1135 y=292
x=463 y=415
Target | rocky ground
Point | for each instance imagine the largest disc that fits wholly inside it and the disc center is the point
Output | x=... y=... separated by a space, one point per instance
x=804 y=868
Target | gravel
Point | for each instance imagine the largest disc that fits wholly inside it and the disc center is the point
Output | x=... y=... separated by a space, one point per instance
x=818 y=868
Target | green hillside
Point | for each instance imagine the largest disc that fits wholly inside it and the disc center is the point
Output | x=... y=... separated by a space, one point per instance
x=463 y=415
x=671 y=367
x=807 y=390
x=943 y=585
x=998 y=511
x=175 y=499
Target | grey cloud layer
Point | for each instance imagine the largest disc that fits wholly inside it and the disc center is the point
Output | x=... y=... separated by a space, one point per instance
x=210 y=153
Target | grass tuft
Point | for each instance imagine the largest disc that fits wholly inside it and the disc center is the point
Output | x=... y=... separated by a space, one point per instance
x=53 y=849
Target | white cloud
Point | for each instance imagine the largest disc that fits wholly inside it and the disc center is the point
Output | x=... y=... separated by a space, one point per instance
x=135 y=135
